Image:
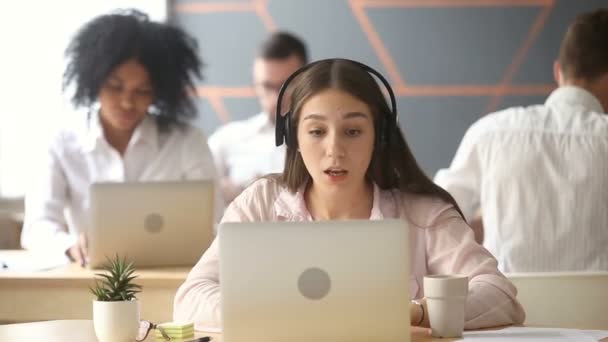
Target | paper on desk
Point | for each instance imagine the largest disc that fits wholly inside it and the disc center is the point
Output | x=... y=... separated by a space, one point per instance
x=29 y=262
x=535 y=334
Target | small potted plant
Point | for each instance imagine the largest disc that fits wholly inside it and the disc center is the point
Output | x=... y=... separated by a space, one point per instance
x=115 y=308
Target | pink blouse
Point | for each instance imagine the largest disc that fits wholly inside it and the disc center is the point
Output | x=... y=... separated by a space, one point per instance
x=440 y=243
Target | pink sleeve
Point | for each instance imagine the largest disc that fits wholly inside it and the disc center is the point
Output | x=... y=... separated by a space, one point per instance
x=451 y=249
x=198 y=298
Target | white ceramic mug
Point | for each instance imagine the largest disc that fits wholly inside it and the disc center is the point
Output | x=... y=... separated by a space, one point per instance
x=446 y=296
x=116 y=321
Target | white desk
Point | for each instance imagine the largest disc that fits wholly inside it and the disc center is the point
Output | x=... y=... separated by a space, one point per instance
x=82 y=331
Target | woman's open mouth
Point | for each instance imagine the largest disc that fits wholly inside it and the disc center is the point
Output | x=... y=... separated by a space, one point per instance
x=336 y=174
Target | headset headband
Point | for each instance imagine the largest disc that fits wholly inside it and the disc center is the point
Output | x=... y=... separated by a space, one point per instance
x=280 y=134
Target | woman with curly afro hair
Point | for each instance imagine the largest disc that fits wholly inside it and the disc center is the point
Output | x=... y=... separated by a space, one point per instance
x=134 y=77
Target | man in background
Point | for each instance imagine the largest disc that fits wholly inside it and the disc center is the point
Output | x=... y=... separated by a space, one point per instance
x=245 y=150
x=538 y=175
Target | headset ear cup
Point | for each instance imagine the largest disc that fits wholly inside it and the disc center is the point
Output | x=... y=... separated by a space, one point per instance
x=381 y=139
x=392 y=131
x=287 y=130
x=279 y=130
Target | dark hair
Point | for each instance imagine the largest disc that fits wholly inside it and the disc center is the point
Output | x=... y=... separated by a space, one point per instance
x=584 y=51
x=168 y=54
x=393 y=165
x=282 y=45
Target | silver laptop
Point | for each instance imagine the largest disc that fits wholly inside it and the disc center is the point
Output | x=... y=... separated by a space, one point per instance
x=151 y=223
x=315 y=281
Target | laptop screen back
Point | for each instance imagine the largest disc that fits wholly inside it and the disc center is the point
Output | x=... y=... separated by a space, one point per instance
x=152 y=223
x=315 y=281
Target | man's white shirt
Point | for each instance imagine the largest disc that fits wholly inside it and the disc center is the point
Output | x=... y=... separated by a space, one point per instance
x=245 y=150
x=539 y=175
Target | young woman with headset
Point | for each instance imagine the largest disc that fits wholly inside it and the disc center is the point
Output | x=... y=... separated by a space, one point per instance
x=344 y=145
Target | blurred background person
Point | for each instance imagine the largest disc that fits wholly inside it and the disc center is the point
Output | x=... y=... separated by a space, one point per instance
x=538 y=174
x=245 y=150
x=133 y=76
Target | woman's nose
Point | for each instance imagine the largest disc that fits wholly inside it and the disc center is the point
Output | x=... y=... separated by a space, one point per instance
x=335 y=147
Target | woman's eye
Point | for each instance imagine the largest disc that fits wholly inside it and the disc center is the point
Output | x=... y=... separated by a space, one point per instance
x=315 y=132
x=353 y=132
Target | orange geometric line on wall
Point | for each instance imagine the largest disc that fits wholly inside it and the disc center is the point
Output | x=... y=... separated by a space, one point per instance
x=226 y=91
x=519 y=58
x=210 y=7
x=453 y=3
x=259 y=7
x=217 y=103
x=374 y=39
x=473 y=90
x=403 y=89
x=216 y=95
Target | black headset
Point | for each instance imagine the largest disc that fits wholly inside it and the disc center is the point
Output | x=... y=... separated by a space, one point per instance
x=387 y=124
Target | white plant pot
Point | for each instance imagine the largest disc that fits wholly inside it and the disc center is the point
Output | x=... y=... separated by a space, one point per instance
x=116 y=321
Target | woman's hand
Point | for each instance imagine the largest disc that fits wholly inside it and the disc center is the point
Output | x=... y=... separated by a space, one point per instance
x=419 y=313
x=79 y=252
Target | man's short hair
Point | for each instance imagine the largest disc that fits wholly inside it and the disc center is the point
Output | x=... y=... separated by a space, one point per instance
x=282 y=45
x=584 y=50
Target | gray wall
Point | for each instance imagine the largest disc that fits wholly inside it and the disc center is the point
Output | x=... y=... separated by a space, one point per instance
x=449 y=57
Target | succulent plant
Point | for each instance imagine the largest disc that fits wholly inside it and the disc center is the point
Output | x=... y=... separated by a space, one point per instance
x=117 y=283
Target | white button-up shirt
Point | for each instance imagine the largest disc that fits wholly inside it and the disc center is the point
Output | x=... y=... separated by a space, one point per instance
x=80 y=155
x=245 y=150
x=540 y=177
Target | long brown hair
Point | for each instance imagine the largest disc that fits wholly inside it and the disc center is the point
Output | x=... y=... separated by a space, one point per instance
x=393 y=165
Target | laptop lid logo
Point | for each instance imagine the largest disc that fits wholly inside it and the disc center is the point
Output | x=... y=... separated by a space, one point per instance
x=153 y=223
x=314 y=283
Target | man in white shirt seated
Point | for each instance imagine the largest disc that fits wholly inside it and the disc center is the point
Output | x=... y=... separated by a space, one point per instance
x=539 y=175
x=245 y=150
